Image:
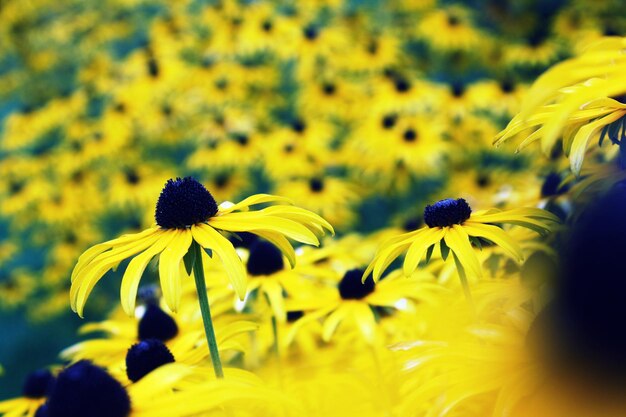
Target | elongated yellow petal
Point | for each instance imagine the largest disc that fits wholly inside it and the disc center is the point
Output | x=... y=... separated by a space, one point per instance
x=274 y=293
x=281 y=243
x=252 y=200
x=210 y=238
x=497 y=236
x=365 y=320
x=158 y=382
x=169 y=267
x=251 y=222
x=389 y=251
x=89 y=277
x=333 y=320
x=98 y=249
x=458 y=241
x=418 y=248
x=300 y=215
x=134 y=271
x=584 y=135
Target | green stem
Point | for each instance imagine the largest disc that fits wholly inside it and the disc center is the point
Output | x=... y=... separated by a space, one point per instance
x=275 y=331
x=465 y=284
x=198 y=273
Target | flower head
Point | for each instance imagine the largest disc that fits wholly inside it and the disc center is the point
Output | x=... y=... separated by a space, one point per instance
x=187 y=213
x=451 y=224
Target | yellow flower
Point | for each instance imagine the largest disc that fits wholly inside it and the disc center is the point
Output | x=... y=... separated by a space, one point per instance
x=186 y=213
x=574 y=99
x=452 y=224
x=348 y=300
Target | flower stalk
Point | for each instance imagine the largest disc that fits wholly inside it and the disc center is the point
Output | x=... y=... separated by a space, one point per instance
x=205 y=310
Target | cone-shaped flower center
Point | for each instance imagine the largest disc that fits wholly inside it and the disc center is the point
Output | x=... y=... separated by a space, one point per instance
x=85 y=389
x=184 y=202
x=156 y=324
x=38 y=384
x=146 y=356
x=264 y=259
x=447 y=212
x=351 y=287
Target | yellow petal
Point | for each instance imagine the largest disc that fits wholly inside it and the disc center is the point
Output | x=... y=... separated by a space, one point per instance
x=274 y=294
x=91 y=274
x=134 y=271
x=210 y=238
x=281 y=242
x=252 y=200
x=418 y=248
x=458 y=241
x=169 y=267
x=251 y=222
x=497 y=236
x=584 y=135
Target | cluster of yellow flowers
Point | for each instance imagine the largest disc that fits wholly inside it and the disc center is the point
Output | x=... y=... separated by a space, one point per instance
x=304 y=207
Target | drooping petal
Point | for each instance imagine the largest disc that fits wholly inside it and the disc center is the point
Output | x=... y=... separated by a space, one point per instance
x=210 y=238
x=169 y=267
x=497 y=236
x=275 y=297
x=458 y=241
x=281 y=242
x=134 y=271
x=333 y=320
x=87 y=256
x=92 y=273
x=251 y=222
x=251 y=201
x=418 y=248
x=365 y=320
x=584 y=135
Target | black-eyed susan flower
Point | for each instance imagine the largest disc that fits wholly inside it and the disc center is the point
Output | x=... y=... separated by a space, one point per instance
x=452 y=224
x=188 y=219
x=353 y=301
x=186 y=212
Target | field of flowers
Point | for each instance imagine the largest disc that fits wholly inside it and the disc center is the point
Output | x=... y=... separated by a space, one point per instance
x=407 y=208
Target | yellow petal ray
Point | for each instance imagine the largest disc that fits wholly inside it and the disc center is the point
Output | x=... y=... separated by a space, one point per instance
x=251 y=222
x=365 y=320
x=333 y=320
x=387 y=254
x=274 y=293
x=210 y=238
x=158 y=382
x=134 y=271
x=584 y=135
x=252 y=200
x=458 y=242
x=497 y=236
x=169 y=267
x=96 y=250
x=89 y=277
x=281 y=242
x=301 y=215
x=418 y=248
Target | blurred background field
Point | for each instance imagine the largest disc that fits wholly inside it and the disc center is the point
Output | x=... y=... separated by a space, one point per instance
x=362 y=111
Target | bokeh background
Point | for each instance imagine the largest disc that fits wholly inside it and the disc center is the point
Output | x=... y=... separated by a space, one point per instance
x=362 y=111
